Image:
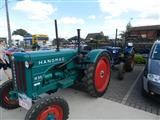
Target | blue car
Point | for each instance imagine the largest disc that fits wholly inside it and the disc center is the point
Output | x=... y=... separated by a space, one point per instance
x=151 y=76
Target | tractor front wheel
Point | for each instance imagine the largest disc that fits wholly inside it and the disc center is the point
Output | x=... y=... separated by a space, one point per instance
x=121 y=71
x=97 y=76
x=5 y=100
x=49 y=108
x=129 y=64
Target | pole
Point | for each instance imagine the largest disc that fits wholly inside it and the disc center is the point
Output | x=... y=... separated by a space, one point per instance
x=56 y=30
x=78 y=41
x=8 y=24
x=115 y=38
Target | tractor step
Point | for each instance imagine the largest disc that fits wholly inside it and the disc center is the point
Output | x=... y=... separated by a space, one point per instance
x=65 y=83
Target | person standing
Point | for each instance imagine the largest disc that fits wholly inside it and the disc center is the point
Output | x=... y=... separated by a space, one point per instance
x=2 y=61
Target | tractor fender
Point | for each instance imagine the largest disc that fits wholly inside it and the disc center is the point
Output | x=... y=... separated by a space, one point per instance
x=93 y=55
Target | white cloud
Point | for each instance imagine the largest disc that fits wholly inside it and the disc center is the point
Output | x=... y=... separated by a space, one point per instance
x=71 y=21
x=108 y=17
x=3 y=28
x=35 y=10
x=145 y=21
x=118 y=7
x=145 y=13
x=3 y=24
x=92 y=17
x=110 y=25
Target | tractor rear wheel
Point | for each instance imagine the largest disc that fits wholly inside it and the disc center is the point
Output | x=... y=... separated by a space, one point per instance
x=49 y=108
x=97 y=76
x=5 y=100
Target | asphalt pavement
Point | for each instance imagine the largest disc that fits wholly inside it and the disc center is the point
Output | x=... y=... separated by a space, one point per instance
x=118 y=89
x=128 y=92
x=108 y=107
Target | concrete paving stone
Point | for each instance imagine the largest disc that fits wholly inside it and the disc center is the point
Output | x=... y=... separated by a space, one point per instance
x=83 y=107
x=127 y=103
x=154 y=111
x=158 y=111
x=149 y=109
x=133 y=105
x=137 y=106
x=143 y=108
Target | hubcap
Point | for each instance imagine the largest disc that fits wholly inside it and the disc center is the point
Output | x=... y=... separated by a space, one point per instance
x=102 y=74
x=54 y=112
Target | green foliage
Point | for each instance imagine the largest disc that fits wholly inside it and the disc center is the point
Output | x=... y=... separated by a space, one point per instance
x=139 y=59
x=20 y=32
x=122 y=34
x=128 y=26
x=74 y=38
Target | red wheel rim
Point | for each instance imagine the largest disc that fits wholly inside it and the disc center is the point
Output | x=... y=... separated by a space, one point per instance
x=5 y=96
x=54 y=110
x=102 y=74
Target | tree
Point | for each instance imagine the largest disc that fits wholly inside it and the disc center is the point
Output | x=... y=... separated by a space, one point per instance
x=20 y=32
x=129 y=25
x=106 y=37
x=74 y=39
x=99 y=37
x=122 y=34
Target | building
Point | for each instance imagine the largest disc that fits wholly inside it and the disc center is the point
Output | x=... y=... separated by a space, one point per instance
x=148 y=33
x=94 y=36
x=17 y=40
x=97 y=40
x=143 y=37
x=39 y=39
x=62 y=42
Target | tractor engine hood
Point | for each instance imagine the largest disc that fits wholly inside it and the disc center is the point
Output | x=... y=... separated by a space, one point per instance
x=47 y=57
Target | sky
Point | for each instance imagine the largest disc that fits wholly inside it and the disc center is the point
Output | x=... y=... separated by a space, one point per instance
x=91 y=16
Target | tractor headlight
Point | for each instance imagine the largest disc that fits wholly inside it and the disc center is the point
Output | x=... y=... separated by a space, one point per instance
x=26 y=64
x=12 y=57
x=130 y=44
x=153 y=77
x=114 y=51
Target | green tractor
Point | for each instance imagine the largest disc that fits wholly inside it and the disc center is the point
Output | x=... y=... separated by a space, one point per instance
x=39 y=72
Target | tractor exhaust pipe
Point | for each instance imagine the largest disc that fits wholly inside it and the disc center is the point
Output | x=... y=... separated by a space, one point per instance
x=78 y=41
x=57 y=40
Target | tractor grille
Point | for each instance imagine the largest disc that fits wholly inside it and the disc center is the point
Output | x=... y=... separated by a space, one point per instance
x=19 y=75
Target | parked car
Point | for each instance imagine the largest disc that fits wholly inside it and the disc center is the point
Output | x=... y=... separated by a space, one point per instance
x=8 y=54
x=45 y=48
x=151 y=75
